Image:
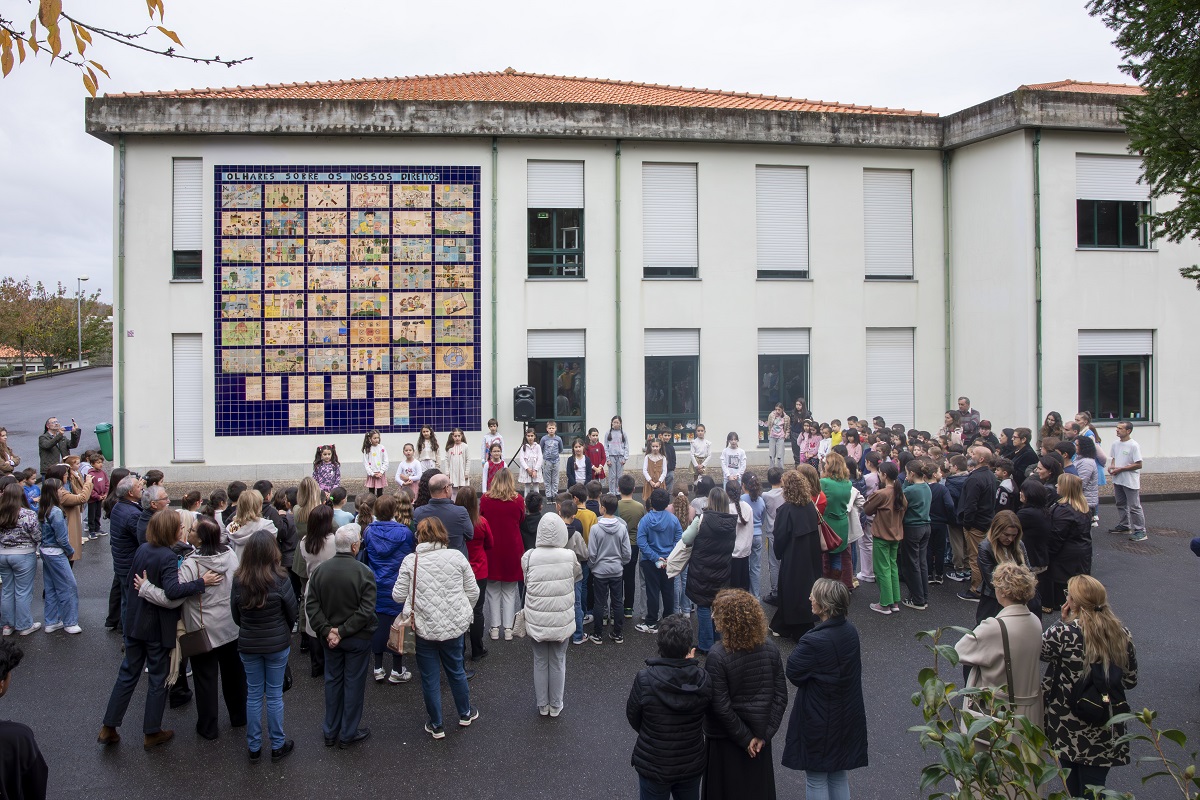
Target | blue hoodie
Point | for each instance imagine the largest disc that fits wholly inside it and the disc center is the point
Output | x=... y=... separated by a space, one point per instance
x=657 y=534
x=387 y=543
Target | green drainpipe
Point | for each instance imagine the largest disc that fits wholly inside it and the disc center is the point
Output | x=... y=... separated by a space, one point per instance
x=1037 y=261
x=120 y=326
x=617 y=272
x=495 y=330
x=947 y=285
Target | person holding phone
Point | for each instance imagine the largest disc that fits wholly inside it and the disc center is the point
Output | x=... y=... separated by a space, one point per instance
x=56 y=442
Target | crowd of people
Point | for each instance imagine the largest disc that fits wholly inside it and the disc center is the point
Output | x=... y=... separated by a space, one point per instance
x=220 y=588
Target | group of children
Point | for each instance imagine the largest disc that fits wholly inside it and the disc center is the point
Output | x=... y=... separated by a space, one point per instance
x=78 y=469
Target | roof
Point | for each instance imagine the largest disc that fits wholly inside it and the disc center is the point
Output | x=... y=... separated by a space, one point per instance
x=1086 y=87
x=511 y=86
x=10 y=352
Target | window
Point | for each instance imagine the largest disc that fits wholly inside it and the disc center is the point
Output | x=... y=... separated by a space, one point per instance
x=555 y=201
x=187 y=220
x=1110 y=199
x=1114 y=374
x=888 y=223
x=669 y=221
x=890 y=372
x=557 y=372
x=187 y=410
x=782 y=371
x=781 y=222
x=672 y=382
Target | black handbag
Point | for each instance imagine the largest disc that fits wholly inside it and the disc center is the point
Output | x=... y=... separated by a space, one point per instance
x=195 y=642
x=1098 y=697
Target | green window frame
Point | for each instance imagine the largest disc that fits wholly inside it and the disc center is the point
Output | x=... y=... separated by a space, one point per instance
x=560 y=385
x=1115 y=388
x=1112 y=224
x=789 y=381
x=673 y=396
x=555 y=242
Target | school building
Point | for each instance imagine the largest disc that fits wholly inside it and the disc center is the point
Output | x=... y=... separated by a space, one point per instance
x=298 y=264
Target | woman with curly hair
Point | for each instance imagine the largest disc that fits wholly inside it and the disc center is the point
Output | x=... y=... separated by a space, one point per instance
x=798 y=545
x=749 y=699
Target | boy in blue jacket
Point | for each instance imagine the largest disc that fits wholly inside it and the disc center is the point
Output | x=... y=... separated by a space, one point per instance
x=657 y=534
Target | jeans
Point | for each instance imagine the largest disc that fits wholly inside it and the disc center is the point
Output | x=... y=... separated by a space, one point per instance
x=477 y=647
x=914 y=562
x=776 y=452
x=450 y=656
x=772 y=563
x=549 y=673
x=658 y=586
x=615 y=468
x=502 y=603
x=629 y=578
x=580 y=602
x=264 y=679
x=669 y=482
x=682 y=790
x=704 y=628
x=379 y=639
x=550 y=477
x=16 y=597
x=157 y=659
x=756 y=564
x=345 y=682
x=205 y=668
x=683 y=604
x=608 y=593
x=1082 y=776
x=62 y=593
x=827 y=785
x=1129 y=506
x=886 y=574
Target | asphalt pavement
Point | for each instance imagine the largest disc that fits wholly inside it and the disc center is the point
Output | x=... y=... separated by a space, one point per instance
x=85 y=395
x=62 y=687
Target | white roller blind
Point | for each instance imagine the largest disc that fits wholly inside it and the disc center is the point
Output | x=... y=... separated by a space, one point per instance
x=1116 y=343
x=187 y=218
x=555 y=344
x=672 y=342
x=781 y=217
x=669 y=215
x=555 y=184
x=888 y=222
x=187 y=397
x=890 y=375
x=1109 y=178
x=783 y=341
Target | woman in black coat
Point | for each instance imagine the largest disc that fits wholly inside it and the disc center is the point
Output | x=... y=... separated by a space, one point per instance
x=827 y=733
x=710 y=562
x=798 y=546
x=1070 y=537
x=749 y=698
x=1036 y=534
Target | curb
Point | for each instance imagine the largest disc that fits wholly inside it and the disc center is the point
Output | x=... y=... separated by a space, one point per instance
x=1155 y=498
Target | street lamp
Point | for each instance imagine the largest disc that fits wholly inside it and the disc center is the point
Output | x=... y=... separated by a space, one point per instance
x=79 y=316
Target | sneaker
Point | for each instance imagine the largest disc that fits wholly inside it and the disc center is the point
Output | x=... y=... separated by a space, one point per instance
x=436 y=731
x=466 y=719
x=643 y=627
x=1095 y=522
x=495 y=634
x=554 y=712
x=935 y=580
x=1139 y=536
x=544 y=710
x=73 y=629
x=878 y=609
x=7 y=631
x=629 y=613
x=34 y=628
x=587 y=619
x=102 y=533
x=1119 y=529
x=969 y=596
x=508 y=634
x=53 y=626
x=916 y=606
x=403 y=676
x=958 y=575
x=617 y=638
x=594 y=639
x=580 y=640
x=895 y=608
x=379 y=675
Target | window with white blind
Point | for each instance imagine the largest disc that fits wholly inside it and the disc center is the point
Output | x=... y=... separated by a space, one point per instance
x=555 y=214
x=187 y=397
x=782 y=371
x=781 y=221
x=1110 y=201
x=558 y=372
x=187 y=219
x=1114 y=373
x=672 y=382
x=890 y=371
x=888 y=223
x=669 y=221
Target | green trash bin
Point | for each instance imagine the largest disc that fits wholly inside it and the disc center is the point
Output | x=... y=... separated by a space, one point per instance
x=104 y=434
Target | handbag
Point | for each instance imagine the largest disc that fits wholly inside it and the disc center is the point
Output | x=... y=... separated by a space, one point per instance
x=677 y=561
x=1098 y=696
x=519 y=629
x=402 y=636
x=196 y=642
x=830 y=541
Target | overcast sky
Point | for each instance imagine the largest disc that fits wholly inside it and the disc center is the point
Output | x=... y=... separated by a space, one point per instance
x=56 y=182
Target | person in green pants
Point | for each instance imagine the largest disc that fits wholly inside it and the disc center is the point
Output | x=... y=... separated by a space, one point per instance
x=888 y=506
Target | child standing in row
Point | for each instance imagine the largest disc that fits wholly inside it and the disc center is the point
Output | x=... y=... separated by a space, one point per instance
x=701 y=451
x=552 y=447
x=733 y=459
x=494 y=465
x=99 y=491
x=375 y=462
x=778 y=426
x=595 y=452
x=529 y=460
x=458 y=465
x=490 y=438
x=408 y=472
x=327 y=470
x=427 y=449
x=617 y=446
x=654 y=469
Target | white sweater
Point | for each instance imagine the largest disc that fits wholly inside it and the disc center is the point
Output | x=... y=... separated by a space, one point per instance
x=446 y=592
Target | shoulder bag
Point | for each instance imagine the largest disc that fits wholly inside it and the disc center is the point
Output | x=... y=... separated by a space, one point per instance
x=1097 y=696
x=402 y=636
x=196 y=642
x=829 y=539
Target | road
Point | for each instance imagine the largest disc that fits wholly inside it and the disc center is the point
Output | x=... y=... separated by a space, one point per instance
x=62 y=687
x=85 y=395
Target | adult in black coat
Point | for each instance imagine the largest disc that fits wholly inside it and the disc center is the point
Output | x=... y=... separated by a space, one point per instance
x=1070 y=538
x=1036 y=534
x=710 y=562
x=749 y=699
x=827 y=733
x=150 y=630
x=798 y=545
x=123 y=540
x=454 y=519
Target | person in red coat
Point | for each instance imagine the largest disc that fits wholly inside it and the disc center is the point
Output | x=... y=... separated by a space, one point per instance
x=478 y=548
x=503 y=509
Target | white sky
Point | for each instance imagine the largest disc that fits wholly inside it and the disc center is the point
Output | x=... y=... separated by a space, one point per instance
x=56 y=182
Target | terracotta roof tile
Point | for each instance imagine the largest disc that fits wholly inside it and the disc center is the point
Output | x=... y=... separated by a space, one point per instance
x=1085 y=87
x=511 y=86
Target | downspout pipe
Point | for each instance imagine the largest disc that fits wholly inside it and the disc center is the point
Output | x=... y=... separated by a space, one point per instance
x=617 y=271
x=947 y=280
x=495 y=330
x=119 y=328
x=1037 y=264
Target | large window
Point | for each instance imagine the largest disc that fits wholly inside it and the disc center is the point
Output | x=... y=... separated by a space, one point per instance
x=888 y=223
x=781 y=222
x=187 y=220
x=555 y=219
x=782 y=372
x=669 y=221
x=1114 y=373
x=557 y=374
x=1110 y=200
x=671 y=395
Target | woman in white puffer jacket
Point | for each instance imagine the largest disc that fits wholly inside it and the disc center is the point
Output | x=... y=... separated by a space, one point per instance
x=551 y=570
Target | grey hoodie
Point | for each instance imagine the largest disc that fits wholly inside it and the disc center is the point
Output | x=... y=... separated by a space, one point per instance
x=239 y=536
x=608 y=547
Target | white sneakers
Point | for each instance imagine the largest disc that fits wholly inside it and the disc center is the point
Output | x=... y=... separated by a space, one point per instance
x=494 y=634
x=404 y=676
x=34 y=628
x=508 y=634
x=73 y=629
x=53 y=626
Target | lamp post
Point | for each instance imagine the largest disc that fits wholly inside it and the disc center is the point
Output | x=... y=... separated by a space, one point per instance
x=79 y=316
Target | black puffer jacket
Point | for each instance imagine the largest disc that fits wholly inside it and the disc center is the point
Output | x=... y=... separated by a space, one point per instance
x=124 y=541
x=1070 y=543
x=708 y=567
x=267 y=629
x=1035 y=535
x=749 y=694
x=666 y=707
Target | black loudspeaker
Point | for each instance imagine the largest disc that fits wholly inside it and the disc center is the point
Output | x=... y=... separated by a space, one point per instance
x=524 y=404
